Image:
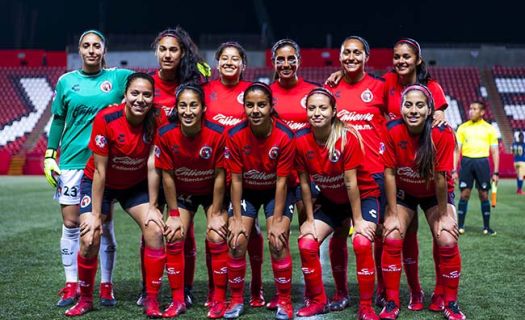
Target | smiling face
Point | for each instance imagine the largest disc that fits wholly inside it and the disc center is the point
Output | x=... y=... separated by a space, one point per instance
x=405 y=60
x=257 y=107
x=189 y=108
x=91 y=50
x=415 y=109
x=169 y=53
x=230 y=64
x=139 y=98
x=286 y=62
x=353 y=57
x=319 y=111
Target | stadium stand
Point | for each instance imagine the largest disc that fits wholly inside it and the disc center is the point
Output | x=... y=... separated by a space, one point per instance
x=510 y=82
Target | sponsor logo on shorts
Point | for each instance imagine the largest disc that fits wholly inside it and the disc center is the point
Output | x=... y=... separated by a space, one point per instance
x=367 y=95
x=106 y=86
x=273 y=153
x=86 y=201
x=205 y=152
x=462 y=184
x=100 y=141
x=373 y=213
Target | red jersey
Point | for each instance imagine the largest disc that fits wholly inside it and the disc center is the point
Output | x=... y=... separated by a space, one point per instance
x=327 y=171
x=224 y=105
x=401 y=149
x=290 y=103
x=164 y=96
x=260 y=161
x=124 y=145
x=393 y=90
x=362 y=105
x=194 y=159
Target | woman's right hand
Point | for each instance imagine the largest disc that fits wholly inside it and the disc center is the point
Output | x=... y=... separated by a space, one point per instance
x=235 y=229
x=174 y=226
x=90 y=226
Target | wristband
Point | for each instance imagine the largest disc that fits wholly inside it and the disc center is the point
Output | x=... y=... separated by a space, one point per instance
x=174 y=213
x=496 y=174
x=50 y=153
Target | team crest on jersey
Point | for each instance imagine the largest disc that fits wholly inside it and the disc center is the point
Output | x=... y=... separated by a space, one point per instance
x=273 y=153
x=303 y=102
x=334 y=156
x=157 y=151
x=106 y=86
x=240 y=98
x=100 y=141
x=381 y=148
x=205 y=152
x=367 y=95
x=86 y=201
x=226 y=153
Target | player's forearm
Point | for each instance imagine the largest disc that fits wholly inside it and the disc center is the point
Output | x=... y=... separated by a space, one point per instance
x=390 y=189
x=441 y=192
x=306 y=195
x=495 y=157
x=218 y=192
x=280 y=197
x=153 y=181
x=354 y=196
x=55 y=132
x=170 y=192
x=236 y=195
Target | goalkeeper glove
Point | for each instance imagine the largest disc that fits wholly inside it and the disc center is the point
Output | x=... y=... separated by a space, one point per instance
x=51 y=167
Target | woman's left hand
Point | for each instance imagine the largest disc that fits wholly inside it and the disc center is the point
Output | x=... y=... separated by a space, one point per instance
x=446 y=224
x=439 y=119
x=366 y=229
x=174 y=226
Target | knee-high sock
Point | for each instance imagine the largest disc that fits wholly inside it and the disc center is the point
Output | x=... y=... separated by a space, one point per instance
x=365 y=268
x=312 y=270
x=255 y=252
x=391 y=268
x=219 y=268
x=142 y=266
x=282 y=273
x=154 y=261
x=519 y=183
x=209 y=266
x=339 y=262
x=190 y=255
x=87 y=269
x=485 y=212
x=462 y=212
x=69 y=244
x=378 y=252
x=175 y=269
x=107 y=252
x=411 y=261
x=439 y=288
x=450 y=267
x=236 y=273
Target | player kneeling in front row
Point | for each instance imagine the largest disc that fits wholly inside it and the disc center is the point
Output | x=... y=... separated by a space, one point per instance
x=331 y=154
x=419 y=162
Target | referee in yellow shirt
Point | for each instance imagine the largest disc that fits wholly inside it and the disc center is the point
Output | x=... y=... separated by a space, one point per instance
x=476 y=139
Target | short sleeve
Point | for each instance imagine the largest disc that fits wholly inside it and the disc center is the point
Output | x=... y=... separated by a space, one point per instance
x=353 y=151
x=460 y=135
x=445 y=151
x=99 y=142
x=219 y=161
x=300 y=163
x=440 y=101
x=389 y=154
x=286 y=158
x=163 y=156
x=232 y=156
x=122 y=76
x=493 y=137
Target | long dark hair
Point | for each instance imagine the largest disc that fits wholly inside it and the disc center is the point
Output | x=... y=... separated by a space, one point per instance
x=426 y=152
x=422 y=73
x=238 y=47
x=187 y=70
x=149 y=120
x=264 y=88
x=173 y=117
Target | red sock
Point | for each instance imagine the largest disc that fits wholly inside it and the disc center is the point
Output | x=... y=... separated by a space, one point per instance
x=282 y=273
x=142 y=268
x=378 y=252
x=450 y=267
x=236 y=273
x=219 y=268
x=365 y=268
x=339 y=263
x=438 y=289
x=391 y=268
x=255 y=252
x=209 y=265
x=154 y=261
x=312 y=270
x=190 y=255
x=410 y=261
x=175 y=269
x=87 y=269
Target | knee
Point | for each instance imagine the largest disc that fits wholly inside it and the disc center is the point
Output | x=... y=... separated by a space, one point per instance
x=361 y=245
x=308 y=246
x=71 y=223
x=87 y=248
x=153 y=231
x=240 y=250
x=446 y=240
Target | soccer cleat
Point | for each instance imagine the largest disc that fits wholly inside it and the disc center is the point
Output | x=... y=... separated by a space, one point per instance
x=152 y=308
x=272 y=304
x=188 y=297
x=142 y=297
x=234 y=311
x=380 y=300
x=107 y=298
x=461 y=231
x=366 y=312
x=390 y=311
x=489 y=231
x=312 y=308
x=416 y=301
x=83 y=306
x=174 y=309
x=209 y=299
x=338 y=302
x=68 y=294
x=452 y=312
x=519 y=191
x=437 y=303
x=257 y=300
x=217 y=309
x=284 y=310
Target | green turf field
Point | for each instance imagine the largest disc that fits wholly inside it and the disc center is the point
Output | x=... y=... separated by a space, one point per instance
x=31 y=272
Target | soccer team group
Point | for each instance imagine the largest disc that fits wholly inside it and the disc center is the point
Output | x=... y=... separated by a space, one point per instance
x=359 y=152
